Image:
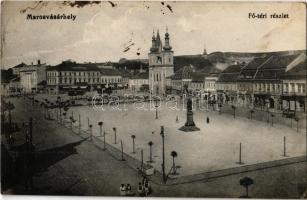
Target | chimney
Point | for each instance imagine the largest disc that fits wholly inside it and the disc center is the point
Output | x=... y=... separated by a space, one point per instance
x=38 y=62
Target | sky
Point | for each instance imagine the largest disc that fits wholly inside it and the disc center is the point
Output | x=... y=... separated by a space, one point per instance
x=101 y=32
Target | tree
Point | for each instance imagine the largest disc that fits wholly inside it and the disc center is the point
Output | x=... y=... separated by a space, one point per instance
x=234 y=111
x=174 y=154
x=72 y=120
x=10 y=107
x=251 y=112
x=272 y=116
x=297 y=120
x=7 y=107
x=114 y=130
x=246 y=182
x=150 y=143
x=133 y=144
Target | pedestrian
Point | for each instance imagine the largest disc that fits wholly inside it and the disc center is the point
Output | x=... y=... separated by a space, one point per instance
x=177 y=119
x=122 y=190
x=146 y=187
x=140 y=189
x=128 y=190
x=208 y=120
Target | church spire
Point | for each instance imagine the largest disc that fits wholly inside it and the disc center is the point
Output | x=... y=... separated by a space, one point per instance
x=158 y=42
x=167 y=46
x=205 y=51
x=154 y=41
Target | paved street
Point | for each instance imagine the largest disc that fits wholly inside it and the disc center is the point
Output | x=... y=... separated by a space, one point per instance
x=66 y=164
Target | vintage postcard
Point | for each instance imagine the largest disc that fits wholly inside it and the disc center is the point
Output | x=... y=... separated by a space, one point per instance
x=154 y=99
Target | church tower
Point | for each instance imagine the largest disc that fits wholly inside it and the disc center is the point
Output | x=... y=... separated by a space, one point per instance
x=205 y=52
x=161 y=63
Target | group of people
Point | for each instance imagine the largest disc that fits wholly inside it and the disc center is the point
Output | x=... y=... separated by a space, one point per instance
x=143 y=188
x=125 y=190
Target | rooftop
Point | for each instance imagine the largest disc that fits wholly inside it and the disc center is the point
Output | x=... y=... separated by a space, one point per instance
x=143 y=75
x=73 y=66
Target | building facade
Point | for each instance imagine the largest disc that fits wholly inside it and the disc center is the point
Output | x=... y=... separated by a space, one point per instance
x=69 y=75
x=139 y=82
x=31 y=76
x=293 y=95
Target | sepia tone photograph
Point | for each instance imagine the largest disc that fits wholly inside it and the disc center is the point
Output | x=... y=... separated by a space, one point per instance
x=154 y=99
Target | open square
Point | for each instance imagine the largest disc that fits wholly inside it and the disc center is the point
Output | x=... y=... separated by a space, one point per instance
x=214 y=147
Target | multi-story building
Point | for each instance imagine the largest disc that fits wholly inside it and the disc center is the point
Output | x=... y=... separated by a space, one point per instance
x=110 y=77
x=197 y=85
x=31 y=76
x=160 y=64
x=245 y=96
x=226 y=85
x=267 y=83
x=293 y=95
x=70 y=74
x=139 y=82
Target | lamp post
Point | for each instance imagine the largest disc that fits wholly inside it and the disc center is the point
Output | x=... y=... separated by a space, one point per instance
x=142 y=160
x=91 y=132
x=79 y=124
x=100 y=128
x=104 y=140
x=284 y=146
x=240 y=155
x=163 y=155
x=59 y=100
x=122 y=149
x=114 y=130
x=156 y=106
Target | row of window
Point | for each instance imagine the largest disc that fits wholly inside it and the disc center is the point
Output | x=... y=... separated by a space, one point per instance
x=138 y=81
x=78 y=80
x=110 y=80
x=74 y=73
x=292 y=87
x=226 y=86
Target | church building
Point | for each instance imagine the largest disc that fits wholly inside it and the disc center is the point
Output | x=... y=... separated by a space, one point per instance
x=161 y=64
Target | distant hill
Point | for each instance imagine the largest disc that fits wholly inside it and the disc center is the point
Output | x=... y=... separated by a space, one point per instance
x=134 y=64
x=219 y=60
x=198 y=61
x=224 y=57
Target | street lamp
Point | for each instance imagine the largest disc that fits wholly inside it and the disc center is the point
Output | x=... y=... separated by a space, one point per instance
x=163 y=154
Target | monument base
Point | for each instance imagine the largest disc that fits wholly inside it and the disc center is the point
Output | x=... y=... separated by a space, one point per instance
x=189 y=126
